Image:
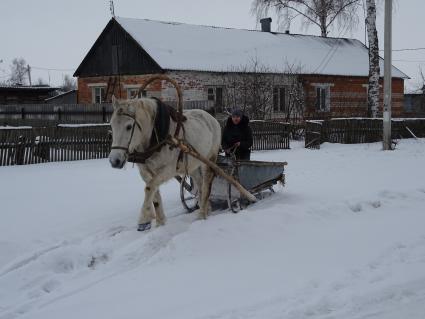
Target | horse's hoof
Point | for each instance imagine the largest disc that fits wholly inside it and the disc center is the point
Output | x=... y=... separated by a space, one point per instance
x=145 y=226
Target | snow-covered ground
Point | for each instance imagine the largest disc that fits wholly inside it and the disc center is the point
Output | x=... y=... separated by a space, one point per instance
x=344 y=239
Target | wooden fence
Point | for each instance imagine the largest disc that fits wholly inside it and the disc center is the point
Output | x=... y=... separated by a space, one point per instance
x=53 y=144
x=53 y=114
x=359 y=130
x=270 y=135
x=20 y=146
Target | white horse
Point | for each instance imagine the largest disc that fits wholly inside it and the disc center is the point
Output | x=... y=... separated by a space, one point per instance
x=135 y=127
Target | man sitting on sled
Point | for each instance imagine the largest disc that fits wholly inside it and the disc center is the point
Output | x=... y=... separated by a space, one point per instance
x=237 y=136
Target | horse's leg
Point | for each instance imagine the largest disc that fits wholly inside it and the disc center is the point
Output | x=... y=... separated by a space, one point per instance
x=147 y=212
x=197 y=180
x=207 y=178
x=148 y=209
x=159 y=211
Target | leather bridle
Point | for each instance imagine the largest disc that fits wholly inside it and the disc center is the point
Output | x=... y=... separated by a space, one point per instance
x=127 y=149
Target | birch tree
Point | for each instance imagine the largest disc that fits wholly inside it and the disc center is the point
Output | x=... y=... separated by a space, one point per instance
x=374 y=70
x=322 y=13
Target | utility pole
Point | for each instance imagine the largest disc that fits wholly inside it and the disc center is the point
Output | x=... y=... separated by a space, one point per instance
x=29 y=74
x=387 y=76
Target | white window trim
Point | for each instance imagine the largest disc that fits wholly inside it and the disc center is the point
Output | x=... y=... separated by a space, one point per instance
x=101 y=84
x=131 y=86
x=323 y=84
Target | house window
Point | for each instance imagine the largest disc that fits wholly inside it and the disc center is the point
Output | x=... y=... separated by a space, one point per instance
x=323 y=98
x=279 y=99
x=98 y=94
x=215 y=94
x=211 y=95
x=132 y=93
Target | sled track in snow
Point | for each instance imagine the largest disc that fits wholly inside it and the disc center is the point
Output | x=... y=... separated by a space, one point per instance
x=95 y=258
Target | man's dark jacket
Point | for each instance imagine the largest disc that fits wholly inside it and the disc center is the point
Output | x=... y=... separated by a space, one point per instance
x=238 y=133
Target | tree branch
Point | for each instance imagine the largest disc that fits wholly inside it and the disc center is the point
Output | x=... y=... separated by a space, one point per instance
x=340 y=10
x=286 y=5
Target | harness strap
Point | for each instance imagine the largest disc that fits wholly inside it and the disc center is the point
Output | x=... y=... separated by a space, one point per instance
x=156 y=141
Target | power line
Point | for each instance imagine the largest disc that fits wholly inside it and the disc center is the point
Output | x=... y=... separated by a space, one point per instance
x=406 y=49
x=329 y=55
x=52 y=69
x=415 y=61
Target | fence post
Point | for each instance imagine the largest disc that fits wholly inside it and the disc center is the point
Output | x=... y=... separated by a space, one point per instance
x=103 y=114
x=20 y=150
x=23 y=113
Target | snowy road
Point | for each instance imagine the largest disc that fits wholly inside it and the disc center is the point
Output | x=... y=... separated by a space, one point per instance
x=344 y=239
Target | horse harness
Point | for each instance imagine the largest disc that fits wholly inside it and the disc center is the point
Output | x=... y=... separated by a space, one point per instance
x=159 y=137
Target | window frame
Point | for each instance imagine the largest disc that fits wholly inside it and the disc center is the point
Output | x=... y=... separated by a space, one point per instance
x=212 y=96
x=280 y=105
x=132 y=89
x=322 y=97
x=102 y=92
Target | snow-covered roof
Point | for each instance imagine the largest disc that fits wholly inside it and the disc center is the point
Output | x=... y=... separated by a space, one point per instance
x=27 y=87
x=61 y=94
x=179 y=46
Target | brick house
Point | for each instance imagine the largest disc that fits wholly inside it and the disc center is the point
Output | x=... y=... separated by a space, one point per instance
x=333 y=72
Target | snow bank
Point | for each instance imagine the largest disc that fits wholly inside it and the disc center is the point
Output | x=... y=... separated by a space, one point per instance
x=344 y=239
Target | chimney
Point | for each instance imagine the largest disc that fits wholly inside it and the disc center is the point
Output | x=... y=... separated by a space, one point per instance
x=266 y=24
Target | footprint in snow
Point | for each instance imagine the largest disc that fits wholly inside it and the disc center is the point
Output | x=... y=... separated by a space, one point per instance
x=356 y=208
x=375 y=204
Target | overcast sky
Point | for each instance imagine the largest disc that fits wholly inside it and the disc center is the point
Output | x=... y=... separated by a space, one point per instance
x=56 y=34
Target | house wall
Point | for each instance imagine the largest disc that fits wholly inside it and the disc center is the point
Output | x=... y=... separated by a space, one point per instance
x=194 y=86
x=348 y=96
x=86 y=84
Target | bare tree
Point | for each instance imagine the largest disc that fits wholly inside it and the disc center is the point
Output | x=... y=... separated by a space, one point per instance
x=322 y=13
x=255 y=89
x=295 y=104
x=374 y=70
x=250 y=87
x=68 y=83
x=18 y=71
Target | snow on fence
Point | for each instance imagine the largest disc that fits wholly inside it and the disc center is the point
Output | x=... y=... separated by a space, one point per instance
x=31 y=145
x=358 y=130
x=20 y=146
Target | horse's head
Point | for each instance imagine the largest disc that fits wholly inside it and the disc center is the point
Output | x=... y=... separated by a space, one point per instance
x=131 y=124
